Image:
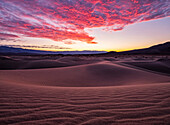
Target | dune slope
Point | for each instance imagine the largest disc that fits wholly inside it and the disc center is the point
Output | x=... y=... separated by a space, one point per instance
x=90 y=75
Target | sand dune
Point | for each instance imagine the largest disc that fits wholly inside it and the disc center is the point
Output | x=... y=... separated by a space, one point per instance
x=160 y=65
x=101 y=93
x=28 y=62
x=90 y=75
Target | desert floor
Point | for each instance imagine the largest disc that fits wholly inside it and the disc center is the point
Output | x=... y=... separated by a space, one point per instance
x=71 y=90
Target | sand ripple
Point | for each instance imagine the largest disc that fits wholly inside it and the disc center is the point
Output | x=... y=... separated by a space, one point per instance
x=144 y=104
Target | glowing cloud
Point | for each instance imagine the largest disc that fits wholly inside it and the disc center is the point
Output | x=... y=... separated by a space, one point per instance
x=60 y=20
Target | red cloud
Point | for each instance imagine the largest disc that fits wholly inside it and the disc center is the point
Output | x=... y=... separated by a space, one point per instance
x=60 y=20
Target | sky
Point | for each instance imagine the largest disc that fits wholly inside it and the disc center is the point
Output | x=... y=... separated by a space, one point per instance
x=66 y=25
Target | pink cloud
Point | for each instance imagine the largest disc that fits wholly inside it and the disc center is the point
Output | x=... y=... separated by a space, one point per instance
x=60 y=20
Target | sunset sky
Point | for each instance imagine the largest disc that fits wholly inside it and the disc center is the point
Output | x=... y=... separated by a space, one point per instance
x=59 y=25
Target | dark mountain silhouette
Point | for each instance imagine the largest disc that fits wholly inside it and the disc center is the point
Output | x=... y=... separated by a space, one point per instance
x=156 y=49
x=12 y=50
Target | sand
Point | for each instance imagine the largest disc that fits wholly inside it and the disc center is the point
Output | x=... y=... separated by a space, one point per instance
x=105 y=91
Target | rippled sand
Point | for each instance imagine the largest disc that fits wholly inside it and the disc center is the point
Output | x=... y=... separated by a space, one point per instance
x=149 y=104
x=100 y=93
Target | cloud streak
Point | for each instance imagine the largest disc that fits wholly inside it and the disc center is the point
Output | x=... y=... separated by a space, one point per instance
x=36 y=47
x=60 y=20
x=6 y=35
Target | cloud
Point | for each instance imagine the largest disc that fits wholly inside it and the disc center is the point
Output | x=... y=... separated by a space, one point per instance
x=60 y=20
x=6 y=35
x=36 y=47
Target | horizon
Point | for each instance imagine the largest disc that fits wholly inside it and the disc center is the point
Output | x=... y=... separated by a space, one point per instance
x=127 y=25
x=13 y=46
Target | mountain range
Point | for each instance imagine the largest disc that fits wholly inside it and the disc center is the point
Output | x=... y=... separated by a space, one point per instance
x=156 y=49
x=12 y=50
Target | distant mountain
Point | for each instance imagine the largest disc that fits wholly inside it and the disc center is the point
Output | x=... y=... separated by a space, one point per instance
x=156 y=49
x=12 y=50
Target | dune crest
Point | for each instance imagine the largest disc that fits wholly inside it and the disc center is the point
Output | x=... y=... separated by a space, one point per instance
x=104 y=73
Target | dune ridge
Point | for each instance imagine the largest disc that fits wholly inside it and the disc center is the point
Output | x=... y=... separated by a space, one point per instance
x=103 y=73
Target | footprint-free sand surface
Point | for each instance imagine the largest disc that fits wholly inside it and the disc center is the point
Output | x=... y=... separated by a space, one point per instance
x=103 y=92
